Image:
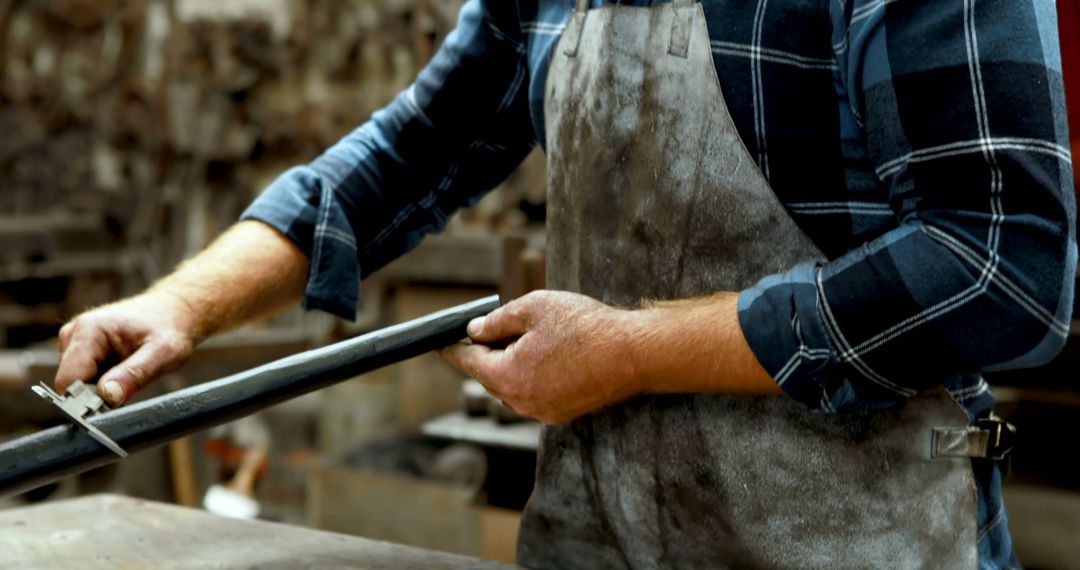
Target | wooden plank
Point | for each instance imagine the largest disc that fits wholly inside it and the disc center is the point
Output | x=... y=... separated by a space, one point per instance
x=498 y=533
x=182 y=472
x=396 y=508
x=113 y=532
x=408 y=510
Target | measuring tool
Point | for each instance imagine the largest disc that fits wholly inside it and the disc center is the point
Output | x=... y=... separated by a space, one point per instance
x=79 y=403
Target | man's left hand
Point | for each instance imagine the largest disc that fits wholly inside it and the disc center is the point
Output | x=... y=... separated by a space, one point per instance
x=567 y=355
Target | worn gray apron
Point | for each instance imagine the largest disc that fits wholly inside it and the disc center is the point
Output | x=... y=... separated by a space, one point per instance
x=652 y=195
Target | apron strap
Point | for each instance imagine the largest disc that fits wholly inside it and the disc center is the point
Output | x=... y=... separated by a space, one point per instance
x=681 y=25
x=990 y=438
x=573 y=29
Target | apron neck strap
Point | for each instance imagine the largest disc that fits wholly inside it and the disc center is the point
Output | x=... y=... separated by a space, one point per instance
x=573 y=28
x=583 y=5
x=680 y=27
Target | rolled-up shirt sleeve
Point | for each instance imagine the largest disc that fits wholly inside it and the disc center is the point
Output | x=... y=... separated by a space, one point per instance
x=454 y=134
x=961 y=107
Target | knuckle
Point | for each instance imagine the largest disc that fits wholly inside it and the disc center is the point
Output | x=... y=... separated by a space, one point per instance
x=135 y=373
x=514 y=389
x=546 y=296
x=472 y=372
x=167 y=353
x=74 y=328
x=512 y=311
x=468 y=366
x=177 y=346
x=85 y=320
x=490 y=382
x=87 y=328
x=535 y=298
x=518 y=378
x=509 y=394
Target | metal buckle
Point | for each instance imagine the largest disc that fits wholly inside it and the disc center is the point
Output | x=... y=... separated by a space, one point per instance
x=1002 y=436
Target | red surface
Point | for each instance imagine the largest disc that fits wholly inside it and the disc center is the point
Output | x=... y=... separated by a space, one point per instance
x=1069 y=27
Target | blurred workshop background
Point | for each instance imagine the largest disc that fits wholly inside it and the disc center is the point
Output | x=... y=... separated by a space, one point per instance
x=133 y=131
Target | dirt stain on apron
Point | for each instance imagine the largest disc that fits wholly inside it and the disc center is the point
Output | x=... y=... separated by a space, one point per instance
x=652 y=195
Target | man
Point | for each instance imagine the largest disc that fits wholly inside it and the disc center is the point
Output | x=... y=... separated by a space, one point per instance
x=837 y=213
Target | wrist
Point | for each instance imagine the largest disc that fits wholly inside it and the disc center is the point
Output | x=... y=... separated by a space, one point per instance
x=180 y=310
x=695 y=346
x=637 y=359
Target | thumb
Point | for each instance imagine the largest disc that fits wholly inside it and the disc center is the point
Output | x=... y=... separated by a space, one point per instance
x=147 y=363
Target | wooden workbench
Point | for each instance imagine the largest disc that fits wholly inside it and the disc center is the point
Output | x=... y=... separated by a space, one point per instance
x=118 y=533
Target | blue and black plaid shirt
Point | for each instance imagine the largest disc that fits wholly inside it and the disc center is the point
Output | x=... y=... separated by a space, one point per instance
x=921 y=144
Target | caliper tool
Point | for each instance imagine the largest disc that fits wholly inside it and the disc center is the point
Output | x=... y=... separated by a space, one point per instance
x=79 y=403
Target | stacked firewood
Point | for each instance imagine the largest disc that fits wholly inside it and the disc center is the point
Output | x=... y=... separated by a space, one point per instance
x=148 y=125
x=149 y=113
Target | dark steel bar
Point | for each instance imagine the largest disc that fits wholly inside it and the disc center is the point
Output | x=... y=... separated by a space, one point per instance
x=57 y=452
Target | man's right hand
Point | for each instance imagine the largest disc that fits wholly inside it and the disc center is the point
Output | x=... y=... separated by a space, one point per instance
x=125 y=345
x=250 y=271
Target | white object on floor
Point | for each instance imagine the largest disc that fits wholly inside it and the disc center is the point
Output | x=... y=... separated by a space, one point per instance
x=227 y=503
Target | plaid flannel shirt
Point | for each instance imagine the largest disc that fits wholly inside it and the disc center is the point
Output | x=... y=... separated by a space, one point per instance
x=921 y=144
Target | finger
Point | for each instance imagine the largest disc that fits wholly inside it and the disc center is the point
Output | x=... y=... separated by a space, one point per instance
x=65 y=335
x=80 y=360
x=144 y=365
x=487 y=365
x=505 y=322
x=476 y=360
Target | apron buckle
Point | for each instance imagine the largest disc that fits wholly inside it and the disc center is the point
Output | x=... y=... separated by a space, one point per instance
x=1001 y=439
x=990 y=438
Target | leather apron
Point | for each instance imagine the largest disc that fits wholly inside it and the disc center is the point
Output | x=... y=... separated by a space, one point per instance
x=652 y=195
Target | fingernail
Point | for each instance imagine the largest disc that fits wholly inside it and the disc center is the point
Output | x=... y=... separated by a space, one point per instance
x=475 y=326
x=114 y=392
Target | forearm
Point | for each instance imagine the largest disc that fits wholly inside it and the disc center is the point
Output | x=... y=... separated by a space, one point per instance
x=250 y=271
x=570 y=354
x=458 y=131
x=695 y=346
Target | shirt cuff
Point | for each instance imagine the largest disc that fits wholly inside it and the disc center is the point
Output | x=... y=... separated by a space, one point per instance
x=304 y=210
x=780 y=319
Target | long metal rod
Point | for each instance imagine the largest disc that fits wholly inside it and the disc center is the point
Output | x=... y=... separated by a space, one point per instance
x=57 y=452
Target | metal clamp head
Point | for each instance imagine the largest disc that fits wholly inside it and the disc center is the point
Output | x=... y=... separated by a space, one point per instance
x=79 y=403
